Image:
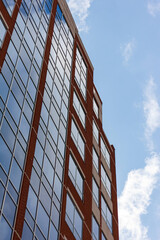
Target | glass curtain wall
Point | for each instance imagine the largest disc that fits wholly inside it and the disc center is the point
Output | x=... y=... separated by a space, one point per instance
x=45 y=192
x=19 y=79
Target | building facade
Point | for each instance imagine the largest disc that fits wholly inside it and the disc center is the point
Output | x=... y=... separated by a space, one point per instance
x=57 y=168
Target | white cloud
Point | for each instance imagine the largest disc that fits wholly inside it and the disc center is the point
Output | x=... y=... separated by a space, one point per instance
x=127 y=50
x=135 y=199
x=151 y=111
x=136 y=195
x=79 y=9
x=153 y=8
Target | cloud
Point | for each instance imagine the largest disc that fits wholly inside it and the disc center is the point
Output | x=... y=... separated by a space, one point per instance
x=79 y=9
x=153 y=8
x=151 y=112
x=136 y=195
x=135 y=199
x=127 y=50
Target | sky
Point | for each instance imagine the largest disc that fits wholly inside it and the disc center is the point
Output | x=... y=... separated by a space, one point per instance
x=122 y=38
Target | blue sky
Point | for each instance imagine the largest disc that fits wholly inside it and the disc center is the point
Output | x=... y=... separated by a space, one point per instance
x=122 y=39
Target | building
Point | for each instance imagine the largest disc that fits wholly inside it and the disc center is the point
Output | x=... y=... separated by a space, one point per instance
x=57 y=168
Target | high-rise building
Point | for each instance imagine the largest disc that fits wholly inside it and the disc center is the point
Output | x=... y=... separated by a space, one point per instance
x=57 y=167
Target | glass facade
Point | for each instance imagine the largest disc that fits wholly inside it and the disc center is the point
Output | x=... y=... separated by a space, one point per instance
x=19 y=81
x=45 y=191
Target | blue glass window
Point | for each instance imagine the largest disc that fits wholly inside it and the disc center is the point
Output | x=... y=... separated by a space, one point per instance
x=5 y=229
x=42 y=220
x=9 y=209
x=15 y=175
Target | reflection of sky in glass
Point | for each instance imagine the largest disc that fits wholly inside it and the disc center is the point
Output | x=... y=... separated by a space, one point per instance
x=19 y=80
x=47 y=174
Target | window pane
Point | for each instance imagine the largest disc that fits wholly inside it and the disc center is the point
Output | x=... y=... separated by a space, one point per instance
x=95 y=107
x=105 y=152
x=27 y=234
x=5 y=230
x=16 y=174
x=70 y=209
x=78 y=224
x=32 y=202
x=9 y=209
x=95 y=132
x=78 y=140
x=105 y=180
x=106 y=213
x=95 y=160
x=75 y=224
x=48 y=170
x=95 y=190
x=57 y=187
x=42 y=220
x=72 y=168
x=53 y=234
x=75 y=176
x=79 y=109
